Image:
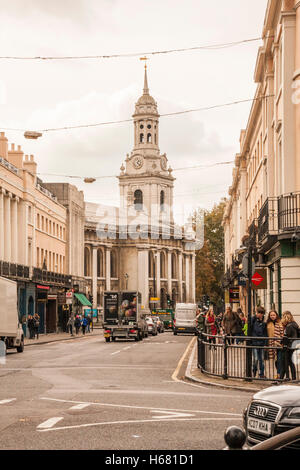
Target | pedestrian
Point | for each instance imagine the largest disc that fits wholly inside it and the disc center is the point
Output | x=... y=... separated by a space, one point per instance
x=291 y=333
x=30 y=324
x=259 y=334
x=70 y=324
x=88 y=326
x=84 y=324
x=275 y=329
x=231 y=324
x=77 y=324
x=36 y=320
x=211 y=328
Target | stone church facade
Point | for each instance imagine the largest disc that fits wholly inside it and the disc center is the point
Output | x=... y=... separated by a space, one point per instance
x=138 y=246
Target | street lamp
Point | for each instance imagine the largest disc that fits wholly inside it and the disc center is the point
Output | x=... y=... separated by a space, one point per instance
x=32 y=135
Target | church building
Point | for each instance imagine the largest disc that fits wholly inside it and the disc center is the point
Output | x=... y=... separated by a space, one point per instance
x=138 y=246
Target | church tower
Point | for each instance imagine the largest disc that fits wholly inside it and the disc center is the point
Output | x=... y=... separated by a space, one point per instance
x=146 y=183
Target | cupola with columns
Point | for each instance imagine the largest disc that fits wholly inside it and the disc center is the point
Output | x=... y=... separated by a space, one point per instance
x=146 y=183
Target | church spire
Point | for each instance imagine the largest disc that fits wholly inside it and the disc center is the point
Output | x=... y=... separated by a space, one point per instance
x=146 y=88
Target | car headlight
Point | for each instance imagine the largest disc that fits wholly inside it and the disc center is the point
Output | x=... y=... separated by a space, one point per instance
x=293 y=413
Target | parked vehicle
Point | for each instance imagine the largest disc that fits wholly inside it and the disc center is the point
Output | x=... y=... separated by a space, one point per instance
x=152 y=326
x=166 y=316
x=271 y=412
x=159 y=323
x=123 y=317
x=11 y=331
x=185 y=319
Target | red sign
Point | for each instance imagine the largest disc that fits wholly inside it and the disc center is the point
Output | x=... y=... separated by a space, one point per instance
x=259 y=279
x=43 y=287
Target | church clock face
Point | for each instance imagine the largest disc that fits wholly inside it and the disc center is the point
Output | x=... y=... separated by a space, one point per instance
x=138 y=162
x=164 y=163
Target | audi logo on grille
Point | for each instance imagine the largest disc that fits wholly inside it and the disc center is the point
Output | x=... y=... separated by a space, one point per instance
x=260 y=411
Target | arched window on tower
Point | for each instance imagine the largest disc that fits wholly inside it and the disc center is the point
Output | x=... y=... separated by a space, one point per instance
x=149 y=138
x=138 y=200
x=141 y=138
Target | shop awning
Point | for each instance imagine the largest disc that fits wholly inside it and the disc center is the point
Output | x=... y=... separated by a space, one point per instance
x=83 y=300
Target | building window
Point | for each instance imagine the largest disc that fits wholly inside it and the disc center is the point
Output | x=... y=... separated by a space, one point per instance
x=151 y=265
x=162 y=265
x=87 y=262
x=141 y=138
x=113 y=264
x=138 y=200
x=174 y=266
x=162 y=200
x=149 y=138
x=99 y=263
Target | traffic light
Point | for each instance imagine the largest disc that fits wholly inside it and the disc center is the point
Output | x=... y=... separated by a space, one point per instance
x=169 y=301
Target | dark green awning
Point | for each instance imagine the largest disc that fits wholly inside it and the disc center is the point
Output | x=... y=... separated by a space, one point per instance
x=83 y=300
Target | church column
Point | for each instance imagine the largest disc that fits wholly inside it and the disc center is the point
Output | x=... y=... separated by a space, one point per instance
x=142 y=275
x=187 y=278
x=170 y=273
x=193 y=287
x=157 y=273
x=108 y=255
x=94 y=277
x=180 y=277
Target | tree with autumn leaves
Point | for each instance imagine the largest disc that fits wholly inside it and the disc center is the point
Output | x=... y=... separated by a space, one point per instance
x=210 y=258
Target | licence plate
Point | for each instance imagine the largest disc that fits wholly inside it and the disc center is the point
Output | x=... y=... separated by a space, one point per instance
x=181 y=328
x=262 y=427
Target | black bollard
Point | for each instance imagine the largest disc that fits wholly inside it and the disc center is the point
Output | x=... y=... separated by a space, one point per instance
x=235 y=438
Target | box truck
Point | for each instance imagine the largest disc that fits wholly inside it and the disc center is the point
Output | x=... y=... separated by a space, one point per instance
x=11 y=332
x=123 y=317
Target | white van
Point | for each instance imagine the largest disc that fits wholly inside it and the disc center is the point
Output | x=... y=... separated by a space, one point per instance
x=11 y=332
x=185 y=319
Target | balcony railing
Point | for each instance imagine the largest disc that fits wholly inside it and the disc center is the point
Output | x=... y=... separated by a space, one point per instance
x=268 y=219
x=41 y=275
x=289 y=212
x=13 y=270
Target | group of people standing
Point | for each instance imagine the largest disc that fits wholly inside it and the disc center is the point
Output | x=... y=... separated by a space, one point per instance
x=79 y=323
x=33 y=323
x=271 y=338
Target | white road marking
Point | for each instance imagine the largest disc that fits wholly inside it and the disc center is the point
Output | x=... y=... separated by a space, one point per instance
x=142 y=421
x=80 y=406
x=171 y=414
x=117 y=352
x=49 y=423
x=128 y=347
x=163 y=410
x=9 y=400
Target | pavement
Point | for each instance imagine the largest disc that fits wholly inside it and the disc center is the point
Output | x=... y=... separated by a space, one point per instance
x=192 y=372
x=53 y=337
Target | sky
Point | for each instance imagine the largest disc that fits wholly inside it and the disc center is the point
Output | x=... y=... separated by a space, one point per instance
x=39 y=94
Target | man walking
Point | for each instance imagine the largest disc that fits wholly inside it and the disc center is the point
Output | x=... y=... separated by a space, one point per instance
x=259 y=333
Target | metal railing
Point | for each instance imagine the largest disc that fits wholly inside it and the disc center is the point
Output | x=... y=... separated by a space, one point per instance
x=278 y=215
x=226 y=357
x=41 y=275
x=13 y=270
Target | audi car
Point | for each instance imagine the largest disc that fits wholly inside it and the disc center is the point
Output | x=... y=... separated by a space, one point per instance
x=273 y=411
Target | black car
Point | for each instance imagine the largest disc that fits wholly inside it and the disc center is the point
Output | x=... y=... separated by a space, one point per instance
x=273 y=411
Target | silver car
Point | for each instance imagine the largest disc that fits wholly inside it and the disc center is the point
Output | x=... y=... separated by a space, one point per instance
x=152 y=326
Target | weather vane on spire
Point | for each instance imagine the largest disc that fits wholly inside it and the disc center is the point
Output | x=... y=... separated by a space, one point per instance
x=145 y=59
